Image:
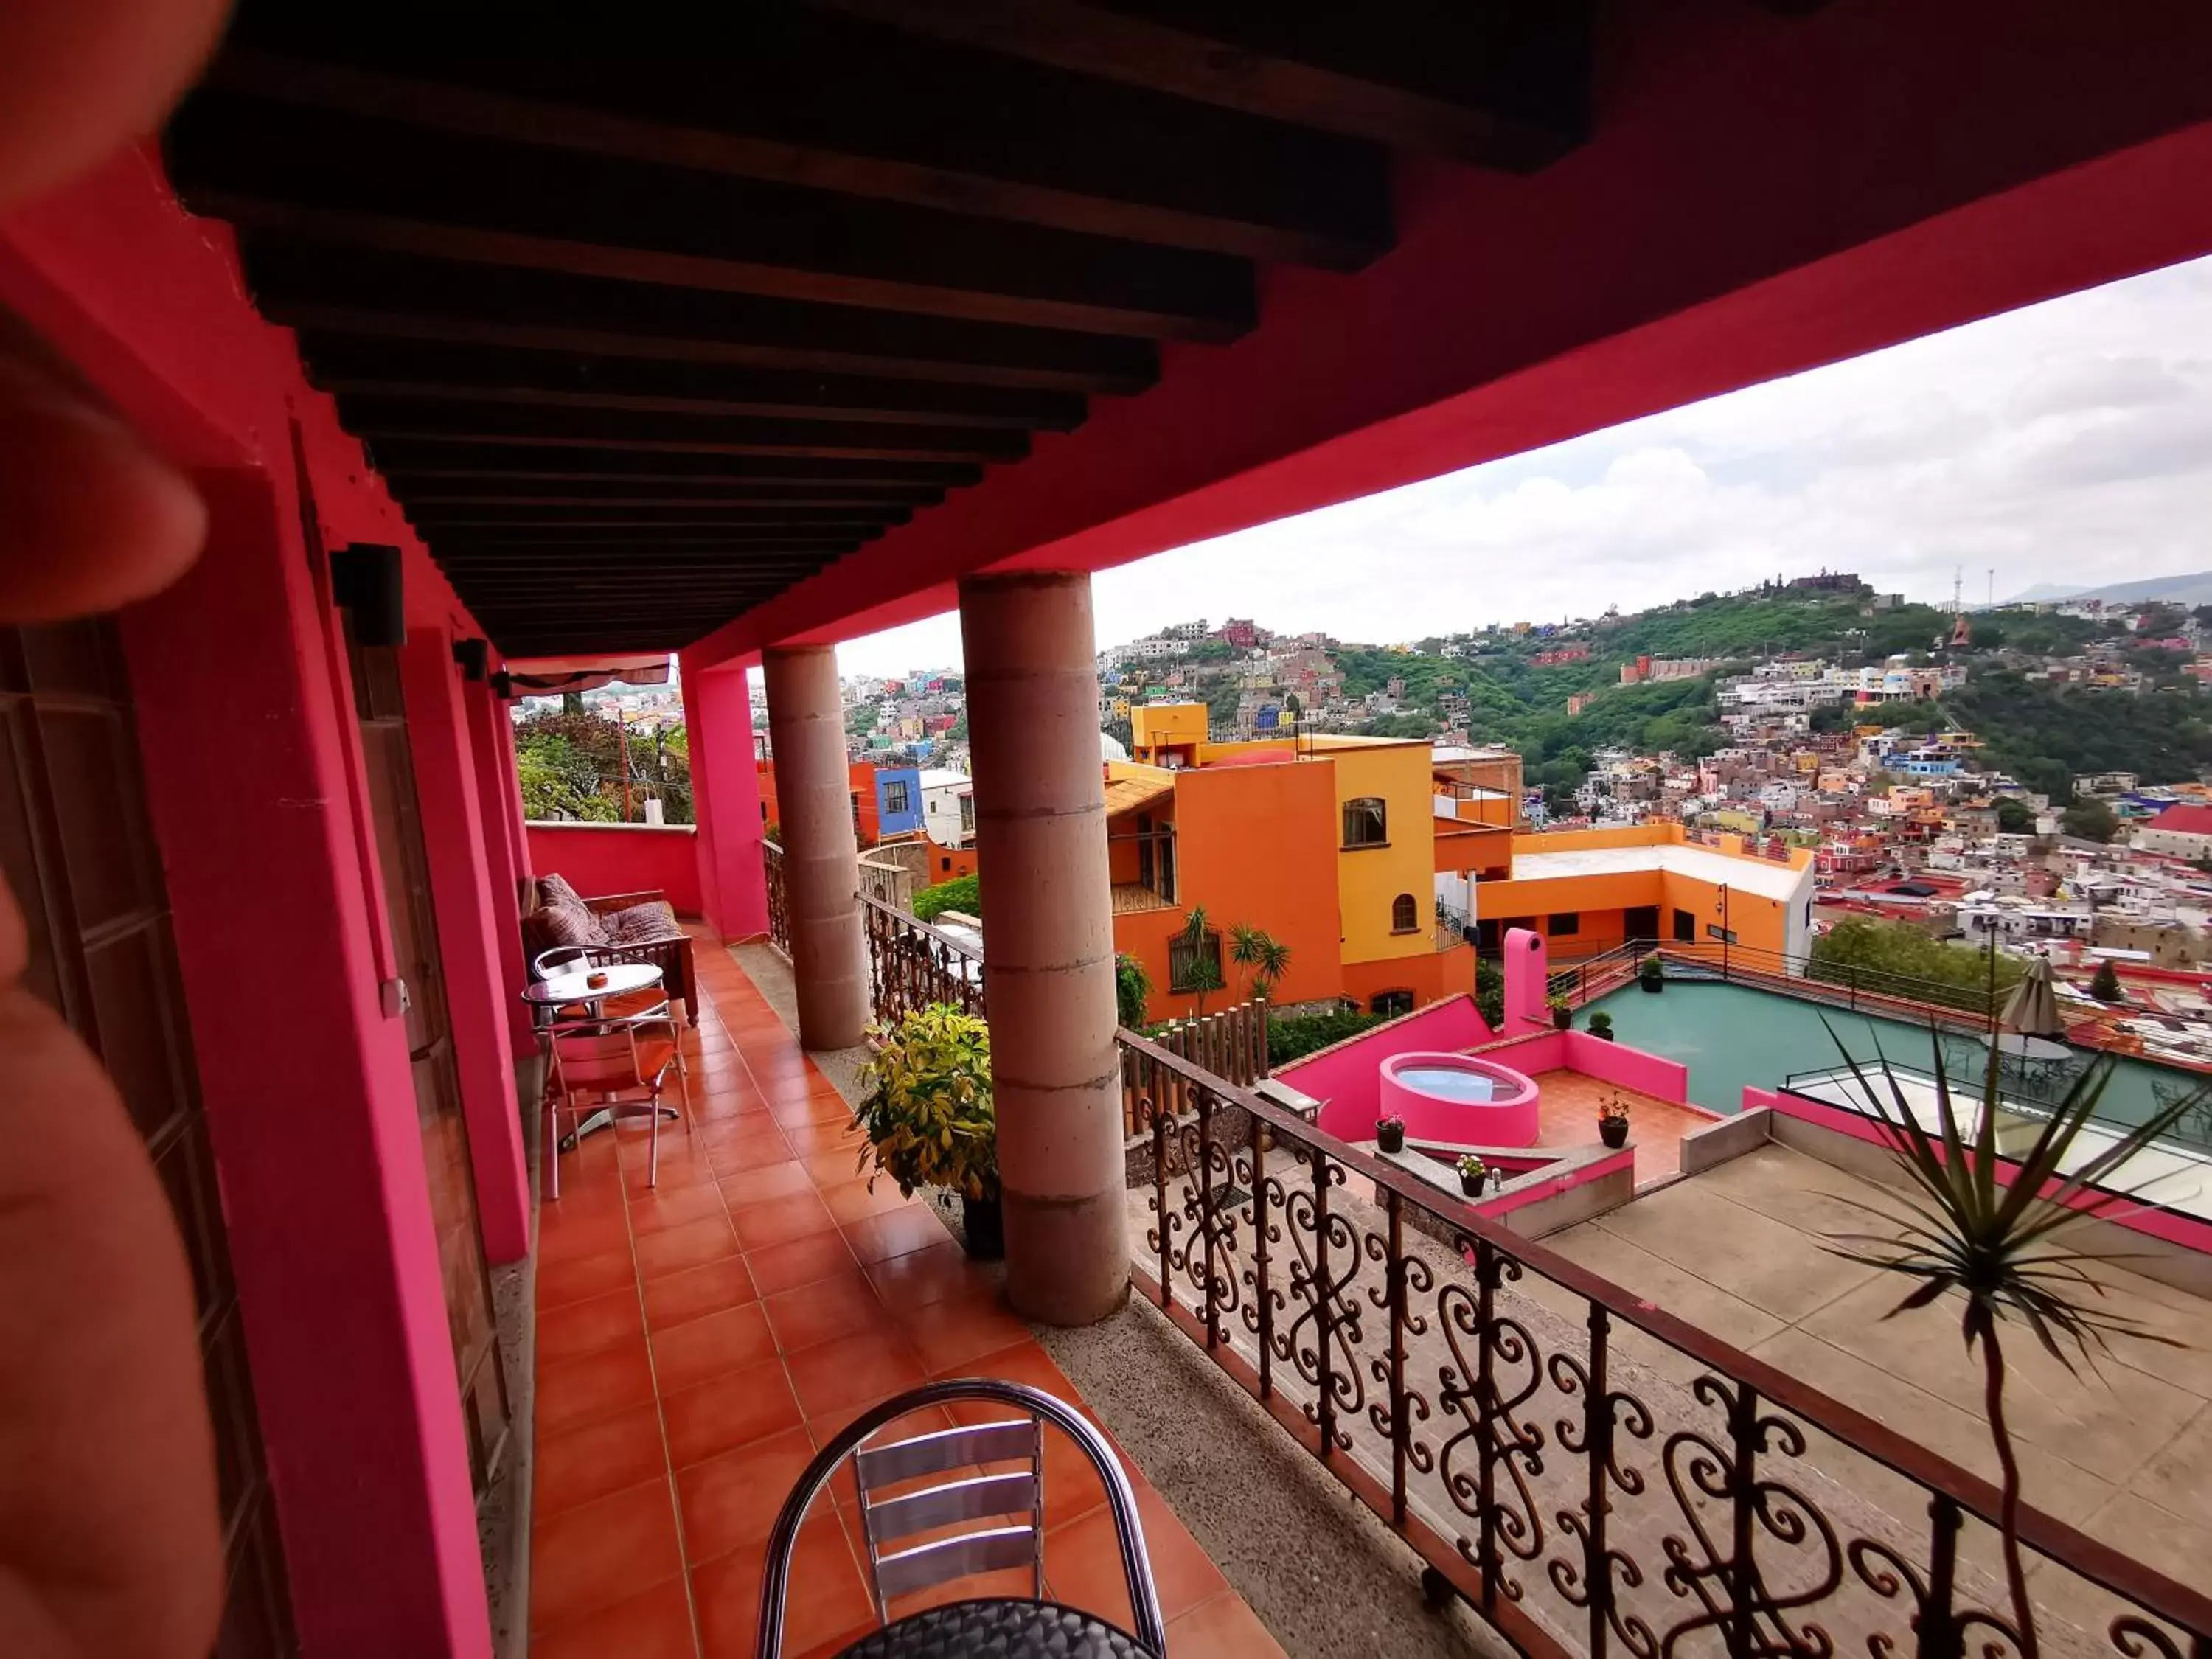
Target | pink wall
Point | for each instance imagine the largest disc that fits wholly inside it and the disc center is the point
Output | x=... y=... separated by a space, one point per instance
x=599 y=859
x=1629 y=1068
x=498 y=807
x=253 y=779
x=2185 y=1231
x=726 y=798
x=1347 y=1078
x=477 y=995
x=1527 y=979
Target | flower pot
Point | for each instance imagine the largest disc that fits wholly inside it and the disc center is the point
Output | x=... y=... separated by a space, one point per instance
x=1613 y=1131
x=1390 y=1137
x=1654 y=984
x=1472 y=1185
x=1603 y=1033
x=984 y=1227
x=1562 y=1018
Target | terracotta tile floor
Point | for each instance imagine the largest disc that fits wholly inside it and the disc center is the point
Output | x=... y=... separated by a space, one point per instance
x=698 y=1342
x=1567 y=1116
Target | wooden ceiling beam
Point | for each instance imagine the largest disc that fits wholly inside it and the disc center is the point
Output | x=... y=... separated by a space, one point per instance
x=552 y=495
x=382 y=418
x=384 y=185
x=340 y=363
x=624 y=516
x=914 y=121
x=440 y=458
x=1487 y=81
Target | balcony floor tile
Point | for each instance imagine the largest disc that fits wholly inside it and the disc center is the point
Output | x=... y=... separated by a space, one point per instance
x=699 y=1339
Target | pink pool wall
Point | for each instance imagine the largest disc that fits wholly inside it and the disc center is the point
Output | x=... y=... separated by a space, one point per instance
x=1347 y=1078
x=1508 y=1119
x=1609 y=1062
x=2176 y=1229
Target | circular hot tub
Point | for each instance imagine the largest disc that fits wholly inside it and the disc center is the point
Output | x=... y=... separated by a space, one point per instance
x=1460 y=1098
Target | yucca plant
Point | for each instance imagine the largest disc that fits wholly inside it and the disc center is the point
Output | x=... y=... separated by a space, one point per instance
x=1264 y=958
x=2000 y=1246
x=1203 y=976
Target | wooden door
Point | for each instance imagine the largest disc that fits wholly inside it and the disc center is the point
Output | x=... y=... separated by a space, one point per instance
x=405 y=866
x=79 y=853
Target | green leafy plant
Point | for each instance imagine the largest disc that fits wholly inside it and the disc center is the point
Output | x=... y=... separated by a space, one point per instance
x=2000 y=1246
x=1293 y=1037
x=1601 y=1026
x=1133 y=991
x=1264 y=959
x=1652 y=971
x=1203 y=974
x=1473 y=1171
x=962 y=893
x=929 y=1115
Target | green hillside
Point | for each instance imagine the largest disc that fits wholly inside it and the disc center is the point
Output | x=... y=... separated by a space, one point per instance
x=2040 y=733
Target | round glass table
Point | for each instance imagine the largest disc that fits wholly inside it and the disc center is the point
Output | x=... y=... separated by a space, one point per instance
x=1002 y=1627
x=576 y=990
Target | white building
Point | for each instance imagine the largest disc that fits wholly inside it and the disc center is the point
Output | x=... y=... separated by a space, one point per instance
x=948 y=806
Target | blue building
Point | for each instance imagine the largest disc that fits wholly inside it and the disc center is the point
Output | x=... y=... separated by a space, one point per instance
x=898 y=800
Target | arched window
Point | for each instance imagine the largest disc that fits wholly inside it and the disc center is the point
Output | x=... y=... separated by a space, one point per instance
x=1404 y=915
x=1391 y=1003
x=1365 y=823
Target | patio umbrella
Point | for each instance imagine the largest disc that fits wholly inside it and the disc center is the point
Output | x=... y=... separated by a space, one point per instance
x=2031 y=1015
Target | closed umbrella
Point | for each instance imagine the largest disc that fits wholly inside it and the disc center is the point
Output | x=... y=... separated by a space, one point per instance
x=2031 y=1015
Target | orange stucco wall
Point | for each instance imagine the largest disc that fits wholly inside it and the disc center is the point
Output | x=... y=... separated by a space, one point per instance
x=1257 y=845
x=1429 y=976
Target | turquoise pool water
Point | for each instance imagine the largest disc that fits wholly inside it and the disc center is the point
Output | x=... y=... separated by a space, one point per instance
x=1448 y=1082
x=1731 y=1037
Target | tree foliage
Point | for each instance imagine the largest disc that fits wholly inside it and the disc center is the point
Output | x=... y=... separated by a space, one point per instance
x=2090 y=819
x=1292 y=1036
x=1888 y=958
x=571 y=766
x=2015 y=817
x=962 y=893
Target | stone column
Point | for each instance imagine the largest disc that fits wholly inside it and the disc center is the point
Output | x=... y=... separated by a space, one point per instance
x=814 y=806
x=1049 y=940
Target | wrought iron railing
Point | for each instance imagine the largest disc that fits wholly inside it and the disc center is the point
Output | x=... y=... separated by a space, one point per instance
x=1594 y=1475
x=912 y=964
x=1842 y=985
x=779 y=900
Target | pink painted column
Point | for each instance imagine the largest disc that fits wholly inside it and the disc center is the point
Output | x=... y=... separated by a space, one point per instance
x=1527 y=981
x=468 y=943
x=718 y=718
x=310 y=1103
x=821 y=856
x=1049 y=940
x=490 y=731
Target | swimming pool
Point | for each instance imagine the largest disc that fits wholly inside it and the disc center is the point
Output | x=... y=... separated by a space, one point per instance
x=1731 y=1037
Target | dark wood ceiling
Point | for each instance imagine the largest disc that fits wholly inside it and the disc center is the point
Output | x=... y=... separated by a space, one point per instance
x=644 y=324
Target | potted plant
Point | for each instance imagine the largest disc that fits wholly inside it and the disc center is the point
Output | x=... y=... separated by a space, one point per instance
x=1472 y=1172
x=1612 y=1121
x=1390 y=1134
x=1601 y=1025
x=1651 y=974
x=1563 y=1012
x=930 y=1119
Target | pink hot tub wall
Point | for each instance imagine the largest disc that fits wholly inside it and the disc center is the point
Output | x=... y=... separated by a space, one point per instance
x=1347 y=1078
x=1511 y=1120
x=621 y=858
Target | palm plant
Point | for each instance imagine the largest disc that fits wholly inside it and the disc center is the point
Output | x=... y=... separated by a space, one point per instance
x=1999 y=1245
x=1264 y=959
x=1203 y=974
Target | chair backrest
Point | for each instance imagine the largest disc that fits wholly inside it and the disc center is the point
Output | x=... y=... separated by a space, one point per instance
x=561 y=960
x=889 y=1516
x=605 y=1053
x=886 y=1519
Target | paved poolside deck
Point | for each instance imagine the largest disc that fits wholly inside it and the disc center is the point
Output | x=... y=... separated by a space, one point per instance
x=697 y=1344
x=2124 y=1452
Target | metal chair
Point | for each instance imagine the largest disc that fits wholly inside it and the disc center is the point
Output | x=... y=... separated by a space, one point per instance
x=887 y=1519
x=608 y=1056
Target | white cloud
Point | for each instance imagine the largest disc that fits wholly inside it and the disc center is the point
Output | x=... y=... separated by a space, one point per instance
x=2066 y=442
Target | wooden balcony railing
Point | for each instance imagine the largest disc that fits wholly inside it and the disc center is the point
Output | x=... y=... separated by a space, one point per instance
x=1594 y=1475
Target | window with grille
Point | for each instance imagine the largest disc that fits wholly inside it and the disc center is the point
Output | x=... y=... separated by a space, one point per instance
x=895 y=796
x=1183 y=957
x=1366 y=823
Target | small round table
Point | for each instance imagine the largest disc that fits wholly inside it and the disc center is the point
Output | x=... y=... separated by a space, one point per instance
x=564 y=989
x=1015 y=1629
x=574 y=990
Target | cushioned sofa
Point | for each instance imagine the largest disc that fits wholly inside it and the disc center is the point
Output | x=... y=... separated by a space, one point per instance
x=617 y=927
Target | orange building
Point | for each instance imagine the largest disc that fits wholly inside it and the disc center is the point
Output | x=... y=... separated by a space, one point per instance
x=1587 y=891
x=1329 y=847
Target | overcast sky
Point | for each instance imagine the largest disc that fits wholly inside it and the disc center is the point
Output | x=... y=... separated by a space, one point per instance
x=2070 y=442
